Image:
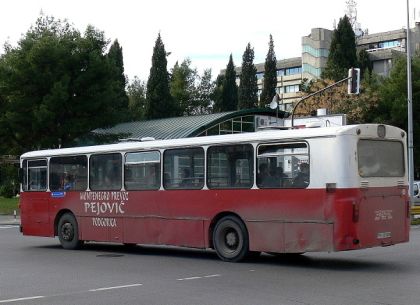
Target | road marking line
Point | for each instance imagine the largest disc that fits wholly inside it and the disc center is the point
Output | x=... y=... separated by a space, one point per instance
x=198 y=277
x=115 y=287
x=8 y=226
x=189 y=278
x=212 y=275
x=22 y=299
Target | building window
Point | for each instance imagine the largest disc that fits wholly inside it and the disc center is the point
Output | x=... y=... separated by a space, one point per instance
x=280 y=72
x=279 y=90
x=312 y=70
x=315 y=52
x=389 y=44
x=291 y=88
x=260 y=75
x=293 y=71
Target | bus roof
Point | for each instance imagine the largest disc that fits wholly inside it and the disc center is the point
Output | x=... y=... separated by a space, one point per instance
x=266 y=135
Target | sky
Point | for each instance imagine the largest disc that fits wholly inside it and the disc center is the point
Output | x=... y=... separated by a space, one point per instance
x=206 y=32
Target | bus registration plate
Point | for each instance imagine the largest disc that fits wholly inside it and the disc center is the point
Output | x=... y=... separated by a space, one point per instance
x=382 y=235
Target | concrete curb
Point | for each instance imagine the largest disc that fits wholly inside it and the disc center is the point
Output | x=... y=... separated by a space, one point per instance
x=7 y=220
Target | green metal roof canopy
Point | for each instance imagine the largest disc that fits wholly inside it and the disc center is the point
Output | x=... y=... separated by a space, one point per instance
x=180 y=127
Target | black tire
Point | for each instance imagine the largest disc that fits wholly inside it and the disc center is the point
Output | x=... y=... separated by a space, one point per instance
x=68 y=232
x=230 y=239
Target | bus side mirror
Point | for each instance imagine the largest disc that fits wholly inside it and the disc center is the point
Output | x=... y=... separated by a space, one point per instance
x=353 y=83
x=20 y=175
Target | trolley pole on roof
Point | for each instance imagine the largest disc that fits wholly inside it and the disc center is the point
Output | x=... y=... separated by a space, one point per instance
x=410 y=111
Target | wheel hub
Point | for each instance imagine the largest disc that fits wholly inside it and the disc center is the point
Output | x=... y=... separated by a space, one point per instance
x=231 y=240
x=67 y=231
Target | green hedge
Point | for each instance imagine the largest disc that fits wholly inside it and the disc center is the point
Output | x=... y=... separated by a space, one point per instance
x=8 y=205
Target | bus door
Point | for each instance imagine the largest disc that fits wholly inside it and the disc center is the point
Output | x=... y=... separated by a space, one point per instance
x=34 y=200
x=181 y=204
x=142 y=180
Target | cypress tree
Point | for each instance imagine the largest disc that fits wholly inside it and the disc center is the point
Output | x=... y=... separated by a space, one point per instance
x=342 y=54
x=270 y=75
x=159 y=102
x=115 y=56
x=230 y=89
x=248 y=88
x=364 y=63
x=218 y=93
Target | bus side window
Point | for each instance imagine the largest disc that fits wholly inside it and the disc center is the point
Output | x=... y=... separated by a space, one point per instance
x=68 y=173
x=284 y=165
x=142 y=171
x=230 y=166
x=183 y=168
x=105 y=172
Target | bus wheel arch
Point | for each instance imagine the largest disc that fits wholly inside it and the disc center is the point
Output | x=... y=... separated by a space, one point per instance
x=68 y=231
x=229 y=237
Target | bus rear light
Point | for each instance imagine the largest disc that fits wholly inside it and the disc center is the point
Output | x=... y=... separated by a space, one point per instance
x=356 y=209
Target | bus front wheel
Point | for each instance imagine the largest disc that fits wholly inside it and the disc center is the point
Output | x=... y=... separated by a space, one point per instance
x=68 y=232
x=230 y=239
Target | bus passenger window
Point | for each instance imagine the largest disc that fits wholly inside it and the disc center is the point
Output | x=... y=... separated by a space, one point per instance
x=183 y=168
x=105 y=172
x=230 y=166
x=142 y=171
x=283 y=165
x=35 y=176
x=68 y=173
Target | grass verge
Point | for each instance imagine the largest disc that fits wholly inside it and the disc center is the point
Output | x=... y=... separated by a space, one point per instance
x=8 y=205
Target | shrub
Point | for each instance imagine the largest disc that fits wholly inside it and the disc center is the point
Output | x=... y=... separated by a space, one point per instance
x=7 y=190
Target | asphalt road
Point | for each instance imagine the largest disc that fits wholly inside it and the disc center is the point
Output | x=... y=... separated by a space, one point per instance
x=36 y=270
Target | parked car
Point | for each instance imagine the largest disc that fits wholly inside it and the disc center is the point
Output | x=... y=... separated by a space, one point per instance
x=416 y=189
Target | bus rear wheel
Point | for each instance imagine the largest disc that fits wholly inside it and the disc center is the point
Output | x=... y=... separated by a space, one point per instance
x=230 y=239
x=68 y=232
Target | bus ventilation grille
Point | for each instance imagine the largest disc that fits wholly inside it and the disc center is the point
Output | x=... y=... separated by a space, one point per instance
x=400 y=184
x=364 y=184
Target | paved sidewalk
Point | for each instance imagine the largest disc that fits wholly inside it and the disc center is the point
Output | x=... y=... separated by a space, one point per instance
x=9 y=220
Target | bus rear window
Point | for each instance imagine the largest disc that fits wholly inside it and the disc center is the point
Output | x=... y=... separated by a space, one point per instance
x=380 y=158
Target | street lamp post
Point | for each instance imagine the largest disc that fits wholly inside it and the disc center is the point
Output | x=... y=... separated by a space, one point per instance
x=410 y=110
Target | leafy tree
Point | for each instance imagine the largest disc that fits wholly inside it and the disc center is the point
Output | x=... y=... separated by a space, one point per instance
x=205 y=93
x=270 y=75
x=392 y=108
x=137 y=100
x=342 y=54
x=183 y=87
x=230 y=89
x=248 y=88
x=56 y=85
x=358 y=108
x=159 y=102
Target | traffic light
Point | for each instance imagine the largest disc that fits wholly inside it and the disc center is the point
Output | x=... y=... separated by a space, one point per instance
x=353 y=83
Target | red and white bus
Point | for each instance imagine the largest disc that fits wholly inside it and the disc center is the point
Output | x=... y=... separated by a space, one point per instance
x=281 y=191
